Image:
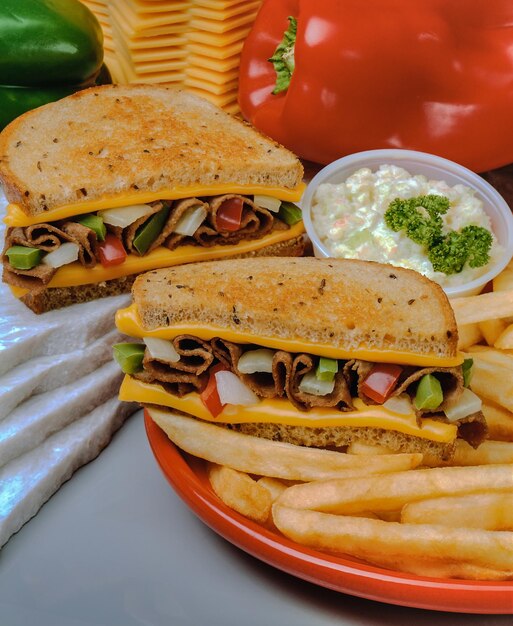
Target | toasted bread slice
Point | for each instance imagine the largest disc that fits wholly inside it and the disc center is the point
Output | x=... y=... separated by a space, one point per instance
x=43 y=300
x=345 y=304
x=114 y=139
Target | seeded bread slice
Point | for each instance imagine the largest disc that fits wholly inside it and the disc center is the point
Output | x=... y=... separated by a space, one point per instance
x=107 y=140
x=48 y=299
x=341 y=303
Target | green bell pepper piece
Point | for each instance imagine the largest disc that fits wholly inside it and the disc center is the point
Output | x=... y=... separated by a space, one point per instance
x=129 y=356
x=48 y=42
x=429 y=393
x=94 y=222
x=290 y=213
x=150 y=230
x=326 y=369
x=24 y=258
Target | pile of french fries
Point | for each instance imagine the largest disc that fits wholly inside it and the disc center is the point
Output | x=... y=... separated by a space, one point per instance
x=398 y=511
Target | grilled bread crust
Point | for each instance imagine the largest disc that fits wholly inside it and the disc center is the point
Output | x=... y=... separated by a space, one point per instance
x=342 y=436
x=57 y=297
x=107 y=140
x=339 y=302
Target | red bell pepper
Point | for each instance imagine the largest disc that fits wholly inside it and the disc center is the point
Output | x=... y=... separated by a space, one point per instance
x=430 y=75
x=381 y=381
x=210 y=396
x=229 y=214
x=111 y=251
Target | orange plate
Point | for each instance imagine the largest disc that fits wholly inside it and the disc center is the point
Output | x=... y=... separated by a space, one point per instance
x=188 y=478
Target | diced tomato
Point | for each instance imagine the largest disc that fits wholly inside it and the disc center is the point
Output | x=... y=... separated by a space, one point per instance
x=229 y=214
x=381 y=381
x=111 y=251
x=209 y=396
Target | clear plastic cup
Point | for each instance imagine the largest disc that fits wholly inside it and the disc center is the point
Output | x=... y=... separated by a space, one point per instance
x=434 y=168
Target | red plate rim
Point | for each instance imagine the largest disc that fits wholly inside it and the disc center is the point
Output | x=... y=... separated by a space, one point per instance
x=187 y=477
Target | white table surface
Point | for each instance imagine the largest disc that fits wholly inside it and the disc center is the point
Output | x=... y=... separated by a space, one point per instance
x=115 y=546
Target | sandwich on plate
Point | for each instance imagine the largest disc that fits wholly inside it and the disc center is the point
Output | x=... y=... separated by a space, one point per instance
x=117 y=180
x=312 y=352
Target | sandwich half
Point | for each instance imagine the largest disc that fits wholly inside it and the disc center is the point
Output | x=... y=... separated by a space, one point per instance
x=117 y=180
x=313 y=352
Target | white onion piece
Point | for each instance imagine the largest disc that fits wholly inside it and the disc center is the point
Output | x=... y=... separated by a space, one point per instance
x=399 y=404
x=65 y=253
x=232 y=390
x=125 y=215
x=161 y=349
x=190 y=221
x=312 y=385
x=466 y=404
x=267 y=202
x=252 y=361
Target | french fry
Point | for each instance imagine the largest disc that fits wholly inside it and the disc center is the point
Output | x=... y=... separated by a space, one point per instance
x=488 y=453
x=389 y=492
x=489 y=511
x=504 y=281
x=492 y=375
x=486 y=306
x=490 y=330
x=274 y=486
x=264 y=457
x=505 y=340
x=499 y=420
x=468 y=335
x=240 y=492
x=424 y=549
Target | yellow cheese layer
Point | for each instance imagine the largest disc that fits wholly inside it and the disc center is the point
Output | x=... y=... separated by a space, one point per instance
x=129 y=323
x=17 y=217
x=279 y=411
x=77 y=274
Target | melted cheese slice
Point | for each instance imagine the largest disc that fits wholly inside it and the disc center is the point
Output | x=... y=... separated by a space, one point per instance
x=280 y=411
x=129 y=322
x=17 y=217
x=76 y=274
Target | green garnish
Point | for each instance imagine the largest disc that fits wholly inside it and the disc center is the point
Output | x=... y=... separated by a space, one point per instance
x=326 y=369
x=290 y=213
x=283 y=57
x=23 y=258
x=467 y=371
x=129 y=356
x=448 y=252
x=95 y=223
x=429 y=393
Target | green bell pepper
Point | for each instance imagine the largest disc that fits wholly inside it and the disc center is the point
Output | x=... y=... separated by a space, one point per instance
x=48 y=42
x=49 y=49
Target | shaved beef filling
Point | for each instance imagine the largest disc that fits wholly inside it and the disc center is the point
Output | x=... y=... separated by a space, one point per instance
x=198 y=356
x=255 y=223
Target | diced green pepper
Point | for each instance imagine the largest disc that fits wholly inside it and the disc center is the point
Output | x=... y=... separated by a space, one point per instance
x=429 y=393
x=23 y=258
x=94 y=222
x=467 y=371
x=326 y=369
x=150 y=230
x=290 y=213
x=129 y=356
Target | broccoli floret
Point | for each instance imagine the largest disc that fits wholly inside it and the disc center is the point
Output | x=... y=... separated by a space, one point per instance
x=448 y=253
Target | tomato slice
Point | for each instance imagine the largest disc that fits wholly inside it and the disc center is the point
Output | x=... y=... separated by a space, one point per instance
x=381 y=381
x=229 y=214
x=111 y=251
x=209 y=396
